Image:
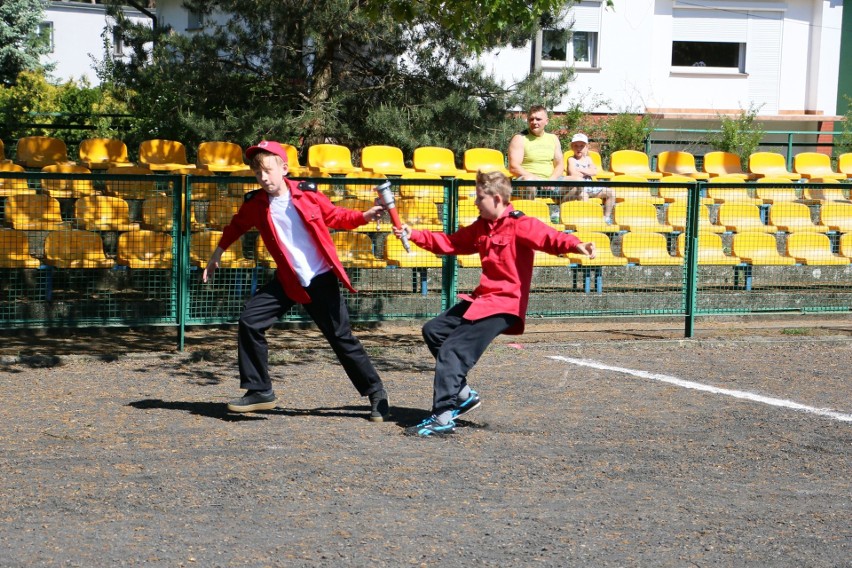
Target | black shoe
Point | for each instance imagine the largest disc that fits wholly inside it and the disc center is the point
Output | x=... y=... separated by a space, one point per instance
x=468 y=404
x=253 y=401
x=379 y=407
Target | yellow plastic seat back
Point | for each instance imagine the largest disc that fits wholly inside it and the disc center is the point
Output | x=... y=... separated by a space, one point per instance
x=844 y=164
x=538 y=209
x=632 y=162
x=75 y=249
x=34 y=213
x=586 y=216
x=845 y=245
x=220 y=157
x=387 y=160
x=331 y=158
x=647 y=249
x=39 y=151
x=837 y=216
x=103 y=154
x=759 y=249
x=603 y=251
x=638 y=216
x=487 y=159
x=815 y=165
x=103 y=213
x=129 y=189
x=221 y=210
x=13 y=185
x=145 y=250
x=424 y=192
x=725 y=164
x=67 y=187
x=436 y=160
x=419 y=214
x=363 y=190
x=355 y=250
x=813 y=249
x=710 y=250
x=163 y=155
x=204 y=243
x=770 y=164
x=634 y=193
x=793 y=217
x=596 y=160
x=3 y=158
x=740 y=217
x=775 y=190
x=158 y=214
x=239 y=189
x=676 y=217
x=730 y=194
x=15 y=250
x=679 y=163
x=395 y=255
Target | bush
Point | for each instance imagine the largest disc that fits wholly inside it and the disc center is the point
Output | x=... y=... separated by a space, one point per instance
x=740 y=135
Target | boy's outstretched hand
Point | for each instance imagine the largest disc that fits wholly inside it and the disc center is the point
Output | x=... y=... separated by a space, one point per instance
x=402 y=231
x=373 y=213
x=587 y=249
x=212 y=264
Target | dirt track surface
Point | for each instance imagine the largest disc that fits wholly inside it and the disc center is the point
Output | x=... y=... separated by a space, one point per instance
x=112 y=458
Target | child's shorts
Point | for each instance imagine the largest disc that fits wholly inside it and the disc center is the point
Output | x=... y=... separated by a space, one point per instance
x=592 y=191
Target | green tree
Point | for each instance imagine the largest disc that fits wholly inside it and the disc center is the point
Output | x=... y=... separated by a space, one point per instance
x=740 y=135
x=21 y=46
x=351 y=72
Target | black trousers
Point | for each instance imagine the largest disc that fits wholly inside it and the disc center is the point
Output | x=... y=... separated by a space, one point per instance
x=328 y=311
x=457 y=344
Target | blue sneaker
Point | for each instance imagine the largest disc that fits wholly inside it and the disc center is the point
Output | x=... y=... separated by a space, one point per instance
x=468 y=404
x=431 y=427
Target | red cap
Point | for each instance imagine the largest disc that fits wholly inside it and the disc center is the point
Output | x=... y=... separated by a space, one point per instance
x=267 y=146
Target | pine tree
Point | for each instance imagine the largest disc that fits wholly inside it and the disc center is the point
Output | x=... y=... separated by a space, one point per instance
x=21 y=46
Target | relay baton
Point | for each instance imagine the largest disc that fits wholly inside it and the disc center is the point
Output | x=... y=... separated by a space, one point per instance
x=387 y=201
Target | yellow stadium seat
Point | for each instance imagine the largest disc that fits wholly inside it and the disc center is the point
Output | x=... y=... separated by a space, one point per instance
x=158 y=214
x=603 y=251
x=419 y=214
x=743 y=217
x=356 y=250
x=725 y=164
x=408 y=187
x=793 y=218
x=331 y=158
x=469 y=260
x=775 y=190
x=163 y=155
x=130 y=189
x=844 y=164
x=34 y=213
x=676 y=217
x=386 y=160
x=679 y=163
x=13 y=185
x=730 y=194
x=815 y=165
x=103 y=213
x=813 y=249
x=710 y=250
x=636 y=216
x=596 y=160
x=770 y=164
x=467 y=213
x=436 y=160
x=3 y=158
x=395 y=255
x=822 y=195
x=634 y=193
x=145 y=250
x=585 y=216
x=200 y=190
x=75 y=249
x=364 y=190
x=221 y=210
x=220 y=157
x=541 y=258
x=295 y=168
x=487 y=159
x=103 y=154
x=759 y=249
x=837 y=216
x=36 y=152
x=67 y=187
x=239 y=189
x=15 y=250
x=383 y=225
x=537 y=208
x=647 y=249
x=676 y=188
x=845 y=245
x=632 y=162
x=203 y=244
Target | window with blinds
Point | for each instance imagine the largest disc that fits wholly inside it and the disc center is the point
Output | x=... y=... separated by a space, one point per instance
x=577 y=43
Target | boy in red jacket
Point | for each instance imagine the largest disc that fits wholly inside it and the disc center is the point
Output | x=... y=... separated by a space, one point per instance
x=506 y=241
x=293 y=219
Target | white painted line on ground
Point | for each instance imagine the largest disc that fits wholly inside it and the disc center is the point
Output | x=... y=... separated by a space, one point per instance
x=745 y=395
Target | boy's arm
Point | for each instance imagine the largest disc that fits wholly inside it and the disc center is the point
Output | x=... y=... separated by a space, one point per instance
x=538 y=236
x=341 y=217
x=239 y=225
x=462 y=241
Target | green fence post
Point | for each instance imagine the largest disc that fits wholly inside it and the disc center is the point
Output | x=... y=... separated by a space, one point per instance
x=450 y=264
x=691 y=260
x=790 y=152
x=182 y=215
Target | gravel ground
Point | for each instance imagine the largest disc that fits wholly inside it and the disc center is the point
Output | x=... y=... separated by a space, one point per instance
x=119 y=451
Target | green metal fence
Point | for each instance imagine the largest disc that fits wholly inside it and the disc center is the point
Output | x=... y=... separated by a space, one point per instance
x=129 y=250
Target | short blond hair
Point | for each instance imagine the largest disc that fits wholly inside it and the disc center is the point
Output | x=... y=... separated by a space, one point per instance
x=260 y=158
x=493 y=182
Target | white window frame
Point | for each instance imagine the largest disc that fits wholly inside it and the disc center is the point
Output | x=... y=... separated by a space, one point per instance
x=46 y=28
x=117 y=43
x=585 y=21
x=739 y=69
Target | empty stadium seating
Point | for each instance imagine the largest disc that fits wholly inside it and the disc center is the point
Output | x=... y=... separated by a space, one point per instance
x=740 y=217
x=676 y=217
x=679 y=163
x=647 y=249
x=793 y=218
x=487 y=159
x=386 y=160
x=34 y=213
x=725 y=164
x=103 y=154
x=204 y=243
x=636 y=216
x=585 y=216
x=356 y=250
x=436 y=160
x=813 y=249
x=331 y=159
x=815 y=165
x=36 y=152
x=632 y=162
x=68 y=186
x=13 y=185
x=837 y=216
x=160 y=155
x=219 y=156
x=770 y=164
x=145 y=250
x=75 y=249
x=129 y=189
x=758 y=248
x=103 y=213
x=710 y=250
x=634 y=193
x=15 y=251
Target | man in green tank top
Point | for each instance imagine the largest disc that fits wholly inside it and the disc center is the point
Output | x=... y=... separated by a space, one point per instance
x=535 y=154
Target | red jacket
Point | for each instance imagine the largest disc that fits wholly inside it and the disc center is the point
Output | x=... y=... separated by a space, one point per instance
x=507 y=247
x=318 y=213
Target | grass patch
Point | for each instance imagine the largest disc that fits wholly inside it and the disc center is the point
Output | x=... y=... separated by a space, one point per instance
x=795 y=331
